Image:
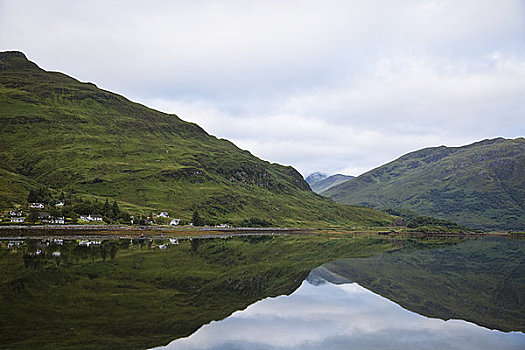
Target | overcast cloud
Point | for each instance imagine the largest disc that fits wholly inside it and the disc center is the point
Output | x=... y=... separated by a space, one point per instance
x=345 y=316
x=335 y=86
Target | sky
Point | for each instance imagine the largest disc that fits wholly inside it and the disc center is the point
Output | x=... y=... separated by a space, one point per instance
x=330 y=86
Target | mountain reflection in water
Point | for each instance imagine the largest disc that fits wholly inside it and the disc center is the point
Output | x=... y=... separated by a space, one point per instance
x=323 y=315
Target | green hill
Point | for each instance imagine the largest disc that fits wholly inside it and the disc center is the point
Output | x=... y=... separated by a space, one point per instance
x=65 y=135
x=481 y=185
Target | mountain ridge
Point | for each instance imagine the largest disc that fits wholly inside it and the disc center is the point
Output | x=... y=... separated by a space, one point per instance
x=481 y=185
x=67 y=135
x=320 y=184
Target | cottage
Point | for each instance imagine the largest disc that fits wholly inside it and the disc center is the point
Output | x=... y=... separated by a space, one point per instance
x=89 y=243
x=91 y=218
x=44 y=215
x=14 y=244
x=174 y=222
x=96 y=218
x=174 y=241
x=37 y=205
x=18 y=219
x=15 y=213
x=59 y=204
x=58 y=220
x=164 y=215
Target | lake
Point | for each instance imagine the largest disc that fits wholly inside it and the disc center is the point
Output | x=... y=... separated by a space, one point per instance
x=285 y=292
x=331 y=316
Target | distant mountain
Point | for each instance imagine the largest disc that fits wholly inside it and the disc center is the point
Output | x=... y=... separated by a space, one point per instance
x=320 y=182
x=61 y=134
x=481 y=185
x=315 y=177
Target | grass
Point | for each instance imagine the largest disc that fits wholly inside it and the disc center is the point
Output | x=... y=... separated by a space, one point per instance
x=480 y=185
x=70 y=136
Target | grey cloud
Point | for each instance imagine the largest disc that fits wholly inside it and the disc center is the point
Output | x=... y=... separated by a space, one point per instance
x=321 y=85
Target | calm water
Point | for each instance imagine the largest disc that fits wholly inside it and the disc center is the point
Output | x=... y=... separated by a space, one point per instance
x=429 y=293
x=323 y=315
x=482 y=281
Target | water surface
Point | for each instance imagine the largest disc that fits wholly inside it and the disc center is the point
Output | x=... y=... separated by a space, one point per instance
x=464 y=295
x=58 y=294
x=330 y=316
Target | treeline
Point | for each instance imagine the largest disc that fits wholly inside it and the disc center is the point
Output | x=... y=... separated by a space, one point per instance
x=73 y=207
x=198 y=220
x=413 y=220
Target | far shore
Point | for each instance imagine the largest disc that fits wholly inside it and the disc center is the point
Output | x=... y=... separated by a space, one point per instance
x=159 y=232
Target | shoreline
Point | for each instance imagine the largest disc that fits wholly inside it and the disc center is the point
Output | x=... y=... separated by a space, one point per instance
x=125 y=232
x=160 y=232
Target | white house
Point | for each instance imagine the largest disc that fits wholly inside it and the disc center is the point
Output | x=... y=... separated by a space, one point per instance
x=164 y=215
x=15 y=213
x=174 y=241
x=96 y=217
x=18 y=219
x=59 y=204
x=91 y=218
x=174 y=222
x=14 y=244
x=37 y=205
x=89 y=243
x=58 y=220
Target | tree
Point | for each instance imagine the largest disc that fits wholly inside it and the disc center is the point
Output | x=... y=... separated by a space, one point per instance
x=31 y=197
x=115 y=210
x=33 y=215
x=196 y=219
x=106 y=209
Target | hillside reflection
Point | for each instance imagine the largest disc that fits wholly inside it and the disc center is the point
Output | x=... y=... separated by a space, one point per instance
x=330 y=316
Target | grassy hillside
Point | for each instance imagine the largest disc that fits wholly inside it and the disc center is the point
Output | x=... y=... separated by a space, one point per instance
x=481 y=185
x=70 y=136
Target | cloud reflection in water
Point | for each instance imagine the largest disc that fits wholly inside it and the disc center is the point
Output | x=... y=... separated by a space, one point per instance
x=329 y=316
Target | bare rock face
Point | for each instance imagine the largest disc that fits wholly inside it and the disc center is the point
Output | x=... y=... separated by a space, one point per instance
x=15 y=59
x=6 y=55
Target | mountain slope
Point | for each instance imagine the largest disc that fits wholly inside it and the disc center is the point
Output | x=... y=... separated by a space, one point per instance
x=481 y=185
x=315 y=177
x=66 y=135
x=328 y=182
